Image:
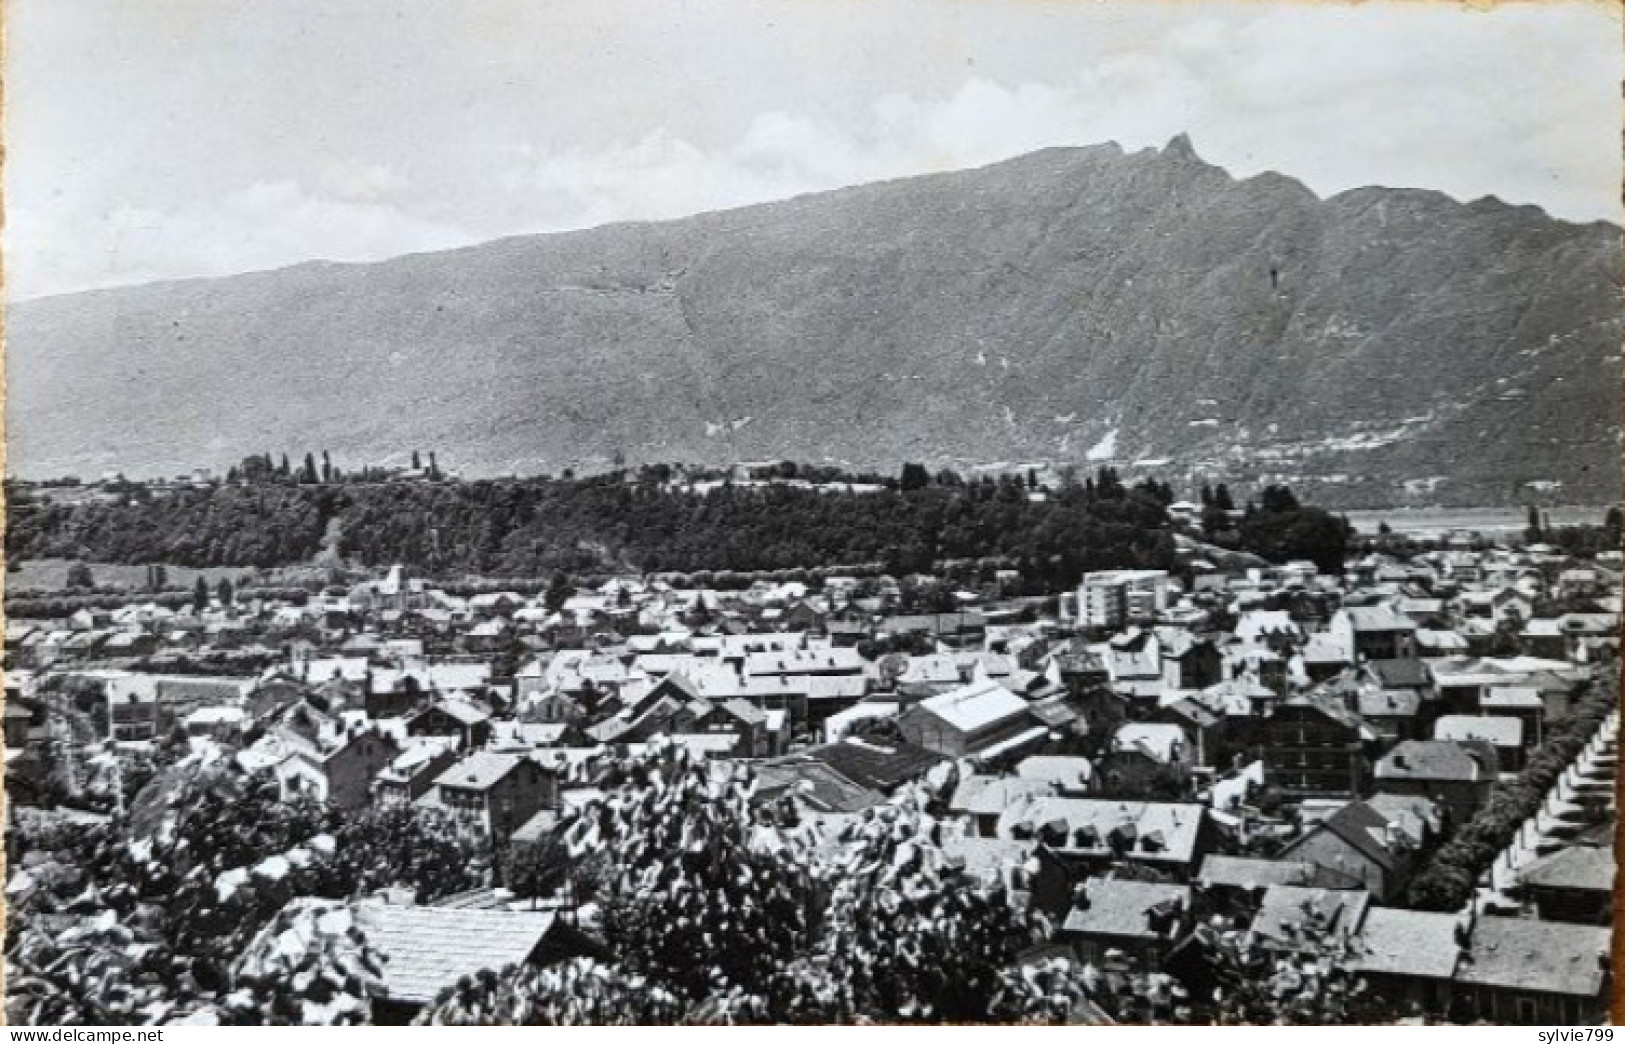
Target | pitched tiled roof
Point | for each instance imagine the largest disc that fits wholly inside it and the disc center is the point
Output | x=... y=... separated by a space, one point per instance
x=1543 y=956
x=1159 y=742
x=1401 y=674
x=1073 y=772
x=1247 y=872
x=836 y=686
x=426 y=948
x=1156 y=831
x=1437 y=760
x=1440 y=639
x=1581 y=867
x=1512 y=697
x=1388 y=703
x=990 y=795
x=881 y=766
x=816 y=784
x=1497 y=729
x=1377 y=618
x=1256 y=623
x=461 y=711
x=939 y=667
x=1419 y=817
x=986 y=858
x=748 y=713
x=1328 y=706
x=939 y=623
x=479 y=771
x=1195 y=712
x=1411 y=943
x=1123 y=908
x=976 y=706
x=804 y=661
x=1367 y=831
x=1235 y=697
x=1323 y=648
x=1288 y=912
x=537 y=827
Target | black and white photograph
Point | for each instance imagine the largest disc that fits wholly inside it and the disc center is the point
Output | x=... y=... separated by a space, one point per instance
x=812 y=512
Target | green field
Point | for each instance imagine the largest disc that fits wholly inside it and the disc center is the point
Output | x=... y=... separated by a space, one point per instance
x=51 y=574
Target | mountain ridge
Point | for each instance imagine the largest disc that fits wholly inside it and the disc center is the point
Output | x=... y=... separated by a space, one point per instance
x=1172 y=144
x=956 y=317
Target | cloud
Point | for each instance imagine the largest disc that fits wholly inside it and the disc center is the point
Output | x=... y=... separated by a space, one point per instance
x=265 y=224
x=783 y=154
x=1368 y=121
x=1336 y=96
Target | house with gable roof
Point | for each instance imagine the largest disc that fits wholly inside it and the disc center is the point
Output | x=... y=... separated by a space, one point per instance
x=1457 y=776
x=338 y=771
x=983 y=799
x=493 y=793
x=1189 y=661
x=1505 y=734
x=1374 y=632
x=1359 y=842
x=1093 y=834
x=424 y=950
x=1034 y=876
x=976 y=720
x=1132 y=924
x=1294 y=919
x=1573 y=884
x=1527 y=972
x=467 y=721
x=1410 y=957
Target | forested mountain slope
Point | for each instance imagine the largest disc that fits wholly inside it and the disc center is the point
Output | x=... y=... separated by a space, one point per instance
x=1087 y=305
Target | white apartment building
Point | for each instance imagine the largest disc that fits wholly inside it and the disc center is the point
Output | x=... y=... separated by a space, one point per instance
x=1120 y=597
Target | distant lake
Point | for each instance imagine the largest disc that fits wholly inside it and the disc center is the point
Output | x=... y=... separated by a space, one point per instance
x=1432 y=522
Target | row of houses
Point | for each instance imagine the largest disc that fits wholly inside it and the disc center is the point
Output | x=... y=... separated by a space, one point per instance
x=1277 y=747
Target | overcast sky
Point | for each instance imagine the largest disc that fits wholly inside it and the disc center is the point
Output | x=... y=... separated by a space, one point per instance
x=151 y=139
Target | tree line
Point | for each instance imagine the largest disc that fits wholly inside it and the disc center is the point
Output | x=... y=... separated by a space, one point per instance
x=635 y=521
x=1447 y=881
x=262 y=470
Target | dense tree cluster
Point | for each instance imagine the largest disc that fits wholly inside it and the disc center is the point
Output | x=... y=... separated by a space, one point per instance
x=579 y=992
x=56 y=606
x=1280 y=529
x=721 y=908
x=711 y=904
x=140 y=920
x=1585 y=541
x=639 y=521
x=212 y=526
x=718 y=908
x=535 y=527
x=262 y=469
x=686 y=871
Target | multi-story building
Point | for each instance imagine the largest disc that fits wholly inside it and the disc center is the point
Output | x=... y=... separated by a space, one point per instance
x=1120 y=597
x=1374 y=633
x=493 y=794
x=1314 y=746
x=339 y=773
x=1457 y=775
